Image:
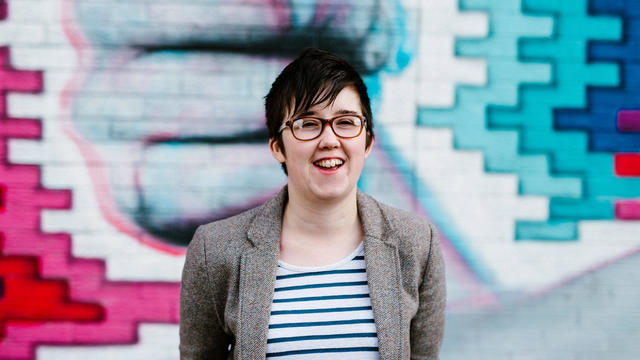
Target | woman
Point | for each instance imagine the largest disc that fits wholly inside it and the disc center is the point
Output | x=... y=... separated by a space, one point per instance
x=321 y=270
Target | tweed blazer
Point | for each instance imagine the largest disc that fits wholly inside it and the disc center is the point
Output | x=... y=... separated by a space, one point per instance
x=230 y=269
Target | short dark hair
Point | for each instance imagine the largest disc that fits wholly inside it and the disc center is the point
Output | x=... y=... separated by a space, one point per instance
x=314 y=77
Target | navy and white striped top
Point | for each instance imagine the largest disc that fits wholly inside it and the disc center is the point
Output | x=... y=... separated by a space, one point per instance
x=322 y=312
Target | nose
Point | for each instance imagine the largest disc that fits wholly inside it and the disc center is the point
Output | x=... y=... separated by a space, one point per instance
x=328 y=138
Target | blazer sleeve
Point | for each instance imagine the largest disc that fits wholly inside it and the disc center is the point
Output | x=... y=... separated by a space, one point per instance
x=427 y=326
x=202 y=334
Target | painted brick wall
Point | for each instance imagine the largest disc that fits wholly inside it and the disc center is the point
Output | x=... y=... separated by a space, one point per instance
x=513 y=125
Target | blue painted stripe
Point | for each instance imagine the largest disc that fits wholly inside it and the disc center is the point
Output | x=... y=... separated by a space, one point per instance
x=321 y=323
x=314 y=311
x=315 y=286
x=321 y=337
x=318 y=351
x=314 y=273
x=314 y=298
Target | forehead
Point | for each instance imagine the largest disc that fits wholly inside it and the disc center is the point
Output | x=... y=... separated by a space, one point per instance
x=347 y=100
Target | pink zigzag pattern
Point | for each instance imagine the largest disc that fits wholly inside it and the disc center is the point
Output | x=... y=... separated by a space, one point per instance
x=126 y=304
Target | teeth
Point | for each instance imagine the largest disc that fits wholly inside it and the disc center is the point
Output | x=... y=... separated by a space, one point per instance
x=329 y=163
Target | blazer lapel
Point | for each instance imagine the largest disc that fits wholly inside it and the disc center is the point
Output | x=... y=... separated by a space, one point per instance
x=381 y=256
x=257 y=279
x=256 y=291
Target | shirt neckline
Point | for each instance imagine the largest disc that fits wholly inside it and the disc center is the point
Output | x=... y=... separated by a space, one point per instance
x=332 y=266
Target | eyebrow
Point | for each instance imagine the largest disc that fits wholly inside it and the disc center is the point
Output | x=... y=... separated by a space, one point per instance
x=339 y=112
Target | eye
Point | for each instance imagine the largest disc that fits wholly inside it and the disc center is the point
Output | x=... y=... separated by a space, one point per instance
x=307 y=123
x=348 y=121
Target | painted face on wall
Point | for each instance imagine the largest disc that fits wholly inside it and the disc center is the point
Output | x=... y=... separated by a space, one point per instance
x=170 y=109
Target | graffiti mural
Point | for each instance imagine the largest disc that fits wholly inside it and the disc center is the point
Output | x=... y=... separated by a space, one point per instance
x=513 y=125
x=199 y=74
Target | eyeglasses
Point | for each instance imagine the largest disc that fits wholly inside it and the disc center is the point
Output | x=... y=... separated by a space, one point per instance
x=308 y=128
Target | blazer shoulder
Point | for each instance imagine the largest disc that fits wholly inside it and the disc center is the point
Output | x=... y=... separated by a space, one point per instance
x=229 y=226
x=225 y=237
x=411 y=230
x=400 y=219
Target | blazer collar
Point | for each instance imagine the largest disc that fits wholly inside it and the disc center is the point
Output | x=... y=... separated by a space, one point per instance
x=383 y=276
x=266 y=226
x=265 y=229
x=258 y=266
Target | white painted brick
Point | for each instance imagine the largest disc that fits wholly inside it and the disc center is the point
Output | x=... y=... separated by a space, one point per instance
x=59 y=176
x=32 y=10
x=21 y=33
x=27 y=105
x=43 y=57
x=436 y=95
x=471 y=71
x=433 y=139
x=472 y=24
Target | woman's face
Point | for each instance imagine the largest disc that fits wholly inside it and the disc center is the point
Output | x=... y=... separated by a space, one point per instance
x=305 y=175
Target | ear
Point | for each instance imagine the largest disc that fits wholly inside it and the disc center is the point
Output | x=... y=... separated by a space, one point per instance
x=368 y=150
x=276 y=151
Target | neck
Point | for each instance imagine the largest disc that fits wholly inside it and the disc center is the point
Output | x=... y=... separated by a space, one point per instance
x=321 y=221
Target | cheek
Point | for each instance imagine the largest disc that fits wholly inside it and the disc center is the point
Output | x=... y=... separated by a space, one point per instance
x=296 y=155
x=359 y=150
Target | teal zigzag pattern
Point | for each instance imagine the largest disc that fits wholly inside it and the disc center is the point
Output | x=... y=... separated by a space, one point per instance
x=568 y=151
x=536 y=61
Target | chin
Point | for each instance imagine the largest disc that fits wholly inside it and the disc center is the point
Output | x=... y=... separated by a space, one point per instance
x=333 y=193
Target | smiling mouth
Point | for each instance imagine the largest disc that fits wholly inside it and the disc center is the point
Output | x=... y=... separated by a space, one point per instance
x=329 y=164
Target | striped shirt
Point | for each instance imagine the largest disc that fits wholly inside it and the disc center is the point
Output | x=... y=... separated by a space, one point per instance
x=322 y=312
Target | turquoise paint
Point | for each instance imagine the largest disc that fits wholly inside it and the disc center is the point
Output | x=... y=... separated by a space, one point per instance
x=537 y=63
x=406 y=41
x=552 y=230
x=568 y=150
x=577 y=209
